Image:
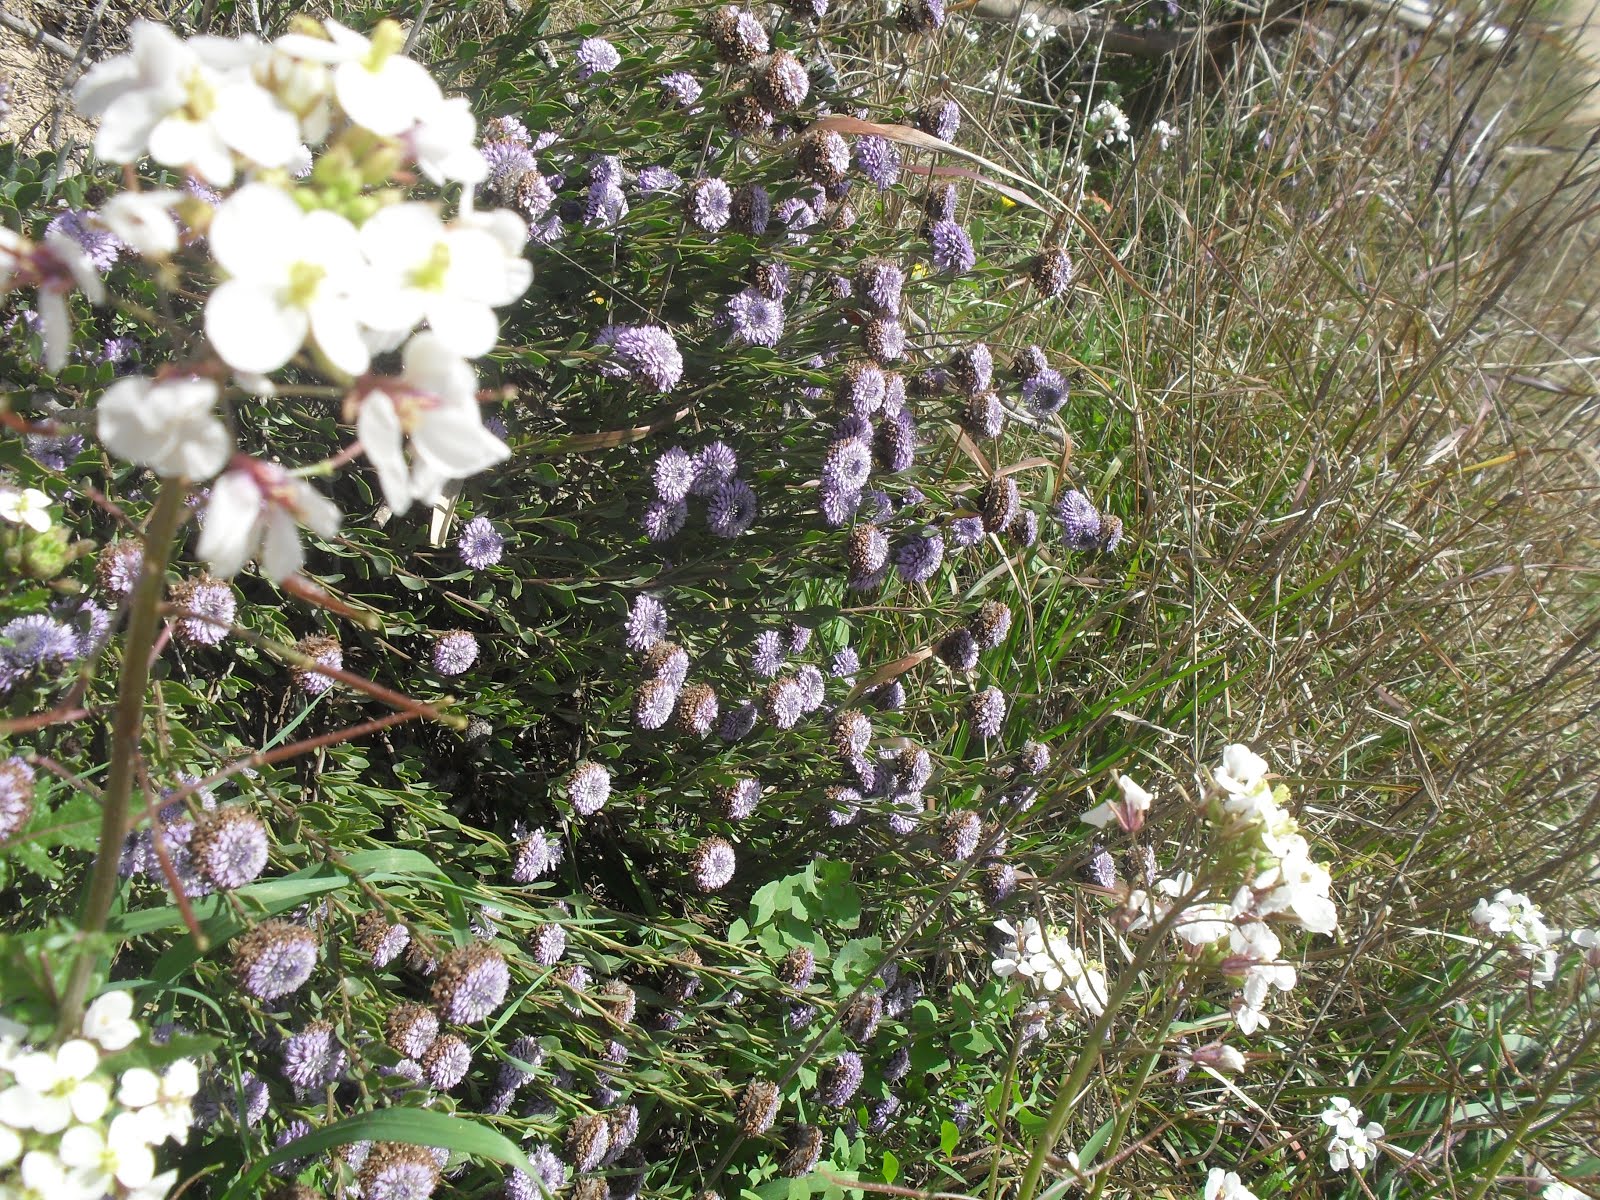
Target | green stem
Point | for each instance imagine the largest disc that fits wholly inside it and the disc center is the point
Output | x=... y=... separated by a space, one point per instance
x=1066 y=1096
x=144 y=620
x=1125 y=1109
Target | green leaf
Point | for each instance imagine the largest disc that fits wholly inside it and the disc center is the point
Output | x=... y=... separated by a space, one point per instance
x=949 y=1135
x=891 y=1167
x=415 y=1126
x=1095 y=1144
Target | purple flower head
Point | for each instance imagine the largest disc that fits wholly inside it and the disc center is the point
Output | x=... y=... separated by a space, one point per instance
x=605 y=204
x=844 y=806
x=958 y=649
x=766 y=656
x=646 y=624
x=1045 y=392
x=942 y=118
x=549 y=944
x=983 y=416
x=480 y=544
x=275 y=958
x=845 y=663
x=658 y=179
x=644 y=352
x=119 y=352
x=782 y=85
x=886 y=339
x=101 y=245
x=736 y=721
x=813 y=689
x=847 y=465
x=771 y=279
x=674 y=474
x=506 y=129
x=507 y=160
x=784 y=703
x=666 y=662
x=879 y=160
x=895 y=443
x=653 y=703
x=471 y=983
x=16 y=796
x=922 y=16
x=1080 y=520
x=536 y=854
x=755 y=319
x=796 y=216
x=752 y=209
x=881 y=1112
x=53 y=451
x=852 y=426
x=313 y=1058
x=680 y=89
x=445 y=1063
x=454 y=652
x=837 y=505
x=1024 y=531
x=987 y=711
x=880 y=282
x=712 y=864
x=229 y=846
x=715 y=464
x=739 y=800
x=838 y=1081
x=731 y=509
x=708 y=205
x=1034 y=758
x=33 y=643
x=596 y=56
x=966 y=531
x=919 y=556
x=972 y=367
x=664 y=518
x=799 y=637
x=862 y=388
x=951 y=247
x=588 y=788
x=90 y=624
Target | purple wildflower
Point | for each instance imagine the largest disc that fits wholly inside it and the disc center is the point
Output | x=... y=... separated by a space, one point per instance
x=658 y=179
x=838 y=1081
x=987 y=711
x=895 y=443
x=736 y=721
x=645 y=352
x=454 y=652
x=739 y=799
x=680 y=89
x=313 y=1058
x=53 y=451
x=755 y=319
x=880 y=282
x=471 y=983
x=549 y=944
x=588 y=788
x=506 y=129
x=1024 y=531
x=33 y=643
x=845 y=663
x=101 y=245
x=535 y=853
x=715 y=464
x=663 y=519
x=16 y=797
x=653 y=704
x=813 y=689
x=605 y=204
x=766 y=658
x=708 y=205
x=445 y=1063
x=229 y=846
x=666 y=662
x=674 y=474
x=732 y=509
x=847 y=465
x=1045 y=392
x=879 y=160
x=942 y=118
x=919 y=556
x=596 y=56
x=646 y=624
x=784 y=703
x=958 y=650
x=837 y=505
x=1080 y=520
x=966 y=531
x=275 y=958
x=951 y=247
x=796 y=215
x=480 y=544
x=799 y=637
x=711 y=866
x=507 y=160
x=886 y=339
x=752 y=209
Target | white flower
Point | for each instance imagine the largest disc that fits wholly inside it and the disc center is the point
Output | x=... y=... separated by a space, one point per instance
x=1515 y=917
x=52 y=267
x=1299 y=886
x=109 y=1021
x=1351 y=1146
x=10 y=1146
x=1023 y=943
x=434 y=403
x=29 y=507
x=51 y=1090
x=187 y=104
x=1242 y=769
x=1128 y=810
x=291 y=273
x=452 y=276
x=1341 y=1113
x=442 y=142
x=1163 y=132
x=99 y=1161
x=254 y=512
x=377 y=86
x=168 y=425
x=44 y=1178
x=164 y=1102
x=143 y=220
x=1106 y=124
x=1588 y=940
x=156 y=1189
x=1219 y=1056
x=1226 y=1185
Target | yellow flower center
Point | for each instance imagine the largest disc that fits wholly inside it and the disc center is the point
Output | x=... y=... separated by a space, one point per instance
x=200 y=98
x=430 y=275
x=387 y=39
x=304 y=278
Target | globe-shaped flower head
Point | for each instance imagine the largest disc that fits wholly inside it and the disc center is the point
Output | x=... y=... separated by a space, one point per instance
x=950 y=247
x=274 y=959
x=313 y=1058
x=213 y=603
x=455 y=652
x=471 y=983
x=229 y=846
x=674 y=474
x=1080 y=520
x=732 y=509
x=781 y=85
x=837 y=1082
x=588 y=788
x=644 y=352
x=397 y=1171
x=708 y=205
x=711 y=865
x=987 y=711
x=596 y=56
x=16 y=796
x=646 y=624
x=480 y=545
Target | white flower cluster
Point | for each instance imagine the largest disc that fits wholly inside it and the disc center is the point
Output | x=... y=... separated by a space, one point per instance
x=1225 y=1185
x=73 y=1128
x=1516 y=920
x=1106 y=124
x=321 y=261
x=1351 y=1145
x=25 y=506
x=1052 y=966
x=1033 y=30
x=1279 y=882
